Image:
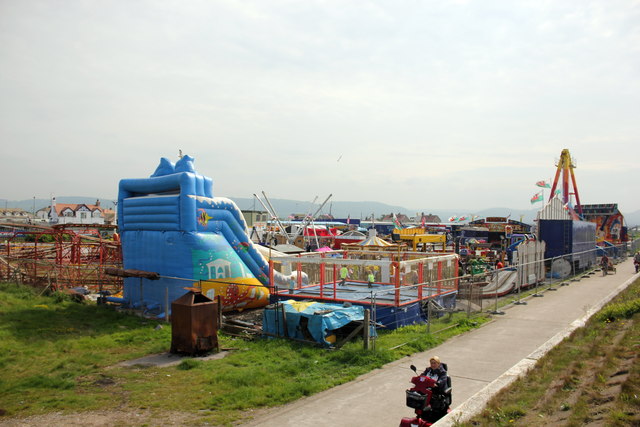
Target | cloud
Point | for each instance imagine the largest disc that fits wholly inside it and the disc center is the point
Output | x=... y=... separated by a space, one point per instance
x=439 y=104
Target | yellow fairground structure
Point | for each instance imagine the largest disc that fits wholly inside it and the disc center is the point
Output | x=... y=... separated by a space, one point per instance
x=417 y=236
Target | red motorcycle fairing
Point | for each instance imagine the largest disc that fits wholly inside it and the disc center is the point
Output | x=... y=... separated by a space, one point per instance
x=414 y=422
x=423 y=383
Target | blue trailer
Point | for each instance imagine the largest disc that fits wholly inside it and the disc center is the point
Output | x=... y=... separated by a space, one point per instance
x=571 y=239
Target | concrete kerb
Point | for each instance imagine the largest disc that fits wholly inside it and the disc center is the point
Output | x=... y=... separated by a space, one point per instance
x=476 y=403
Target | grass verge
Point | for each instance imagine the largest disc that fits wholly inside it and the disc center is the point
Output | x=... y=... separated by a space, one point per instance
x=591 y=378
x=60 y=356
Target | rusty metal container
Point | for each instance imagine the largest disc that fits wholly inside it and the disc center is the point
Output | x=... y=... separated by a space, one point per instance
x=194 y=323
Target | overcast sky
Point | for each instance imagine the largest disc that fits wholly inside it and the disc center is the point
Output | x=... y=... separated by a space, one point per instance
x=424 y=104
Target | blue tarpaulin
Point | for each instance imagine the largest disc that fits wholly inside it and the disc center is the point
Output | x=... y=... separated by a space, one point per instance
x=310 y=320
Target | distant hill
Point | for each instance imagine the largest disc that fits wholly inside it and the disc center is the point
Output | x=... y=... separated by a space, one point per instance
x=285 y=207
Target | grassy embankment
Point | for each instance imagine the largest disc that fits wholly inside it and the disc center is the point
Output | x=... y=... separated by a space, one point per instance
x=591 y=378
x=58 y=355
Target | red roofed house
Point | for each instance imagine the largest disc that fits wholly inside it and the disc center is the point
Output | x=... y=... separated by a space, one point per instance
x=68 y=213
x=401 y=217
x=15 y=215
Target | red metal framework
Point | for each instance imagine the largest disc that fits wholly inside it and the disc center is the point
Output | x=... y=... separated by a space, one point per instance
x=59 y=257
x=566 y=166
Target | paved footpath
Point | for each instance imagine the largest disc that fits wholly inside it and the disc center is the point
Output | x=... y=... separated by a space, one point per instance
x=480 y=362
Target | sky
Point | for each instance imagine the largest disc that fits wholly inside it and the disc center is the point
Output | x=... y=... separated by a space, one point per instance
x=422 y=104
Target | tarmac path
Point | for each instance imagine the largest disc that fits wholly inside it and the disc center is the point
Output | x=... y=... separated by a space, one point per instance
x=480 y=362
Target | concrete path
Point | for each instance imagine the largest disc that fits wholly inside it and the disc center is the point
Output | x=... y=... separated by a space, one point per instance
x=480 y=362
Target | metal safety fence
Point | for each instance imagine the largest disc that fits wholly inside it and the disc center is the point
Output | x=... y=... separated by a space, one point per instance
x=490 y=290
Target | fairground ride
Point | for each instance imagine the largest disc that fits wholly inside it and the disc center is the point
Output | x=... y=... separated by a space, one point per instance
x=58 y=257
x=566 y=165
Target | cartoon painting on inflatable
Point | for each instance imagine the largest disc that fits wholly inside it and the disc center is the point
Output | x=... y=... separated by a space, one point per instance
x=171 y=224
x=609 y=221
x=609 y=228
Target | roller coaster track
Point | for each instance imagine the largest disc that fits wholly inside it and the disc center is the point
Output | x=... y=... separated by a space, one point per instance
x=66 y=260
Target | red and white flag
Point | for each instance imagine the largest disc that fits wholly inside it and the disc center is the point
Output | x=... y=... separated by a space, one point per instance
x=536 y=198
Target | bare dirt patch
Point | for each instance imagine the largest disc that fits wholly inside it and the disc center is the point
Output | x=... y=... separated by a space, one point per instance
x=106 y=418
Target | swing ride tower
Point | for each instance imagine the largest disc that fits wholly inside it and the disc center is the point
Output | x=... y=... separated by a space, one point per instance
x=566 y=165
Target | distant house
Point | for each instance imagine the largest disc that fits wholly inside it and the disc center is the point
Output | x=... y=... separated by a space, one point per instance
x=325 y=217
x=109 y=216
x=15 y=215
x=255 y=218
x=401 y=217
x=428 y=218
x=68 y=213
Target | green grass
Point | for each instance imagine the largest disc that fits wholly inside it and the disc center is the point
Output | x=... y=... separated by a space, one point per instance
x=48 y=344
x=59 y=355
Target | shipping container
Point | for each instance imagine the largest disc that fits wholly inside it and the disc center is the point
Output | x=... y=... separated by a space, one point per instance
x=573 y=240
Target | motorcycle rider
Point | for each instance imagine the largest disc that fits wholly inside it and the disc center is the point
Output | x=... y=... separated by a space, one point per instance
x=431 y=398
x=604 y=264
x=636 y=260
x=439 y=402
x=436 y=372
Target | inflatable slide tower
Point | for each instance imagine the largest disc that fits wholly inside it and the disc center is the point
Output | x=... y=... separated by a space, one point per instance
x=171 y=224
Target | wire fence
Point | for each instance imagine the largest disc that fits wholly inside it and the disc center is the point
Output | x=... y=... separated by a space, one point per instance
x=489 y=291
x=437 y=292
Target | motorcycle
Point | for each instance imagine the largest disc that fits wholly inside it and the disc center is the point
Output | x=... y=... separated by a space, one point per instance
x=429 y=404
x=636 y=264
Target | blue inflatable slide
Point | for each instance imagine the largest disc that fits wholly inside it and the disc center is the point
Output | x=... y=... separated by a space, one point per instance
x=171 y=224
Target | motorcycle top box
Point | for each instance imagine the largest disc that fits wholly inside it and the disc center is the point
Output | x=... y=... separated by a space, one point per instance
x=415 y=399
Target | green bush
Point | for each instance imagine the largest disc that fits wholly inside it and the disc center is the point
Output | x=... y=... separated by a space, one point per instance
x=46 y=238
x=59 y=297
x=621 y=310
